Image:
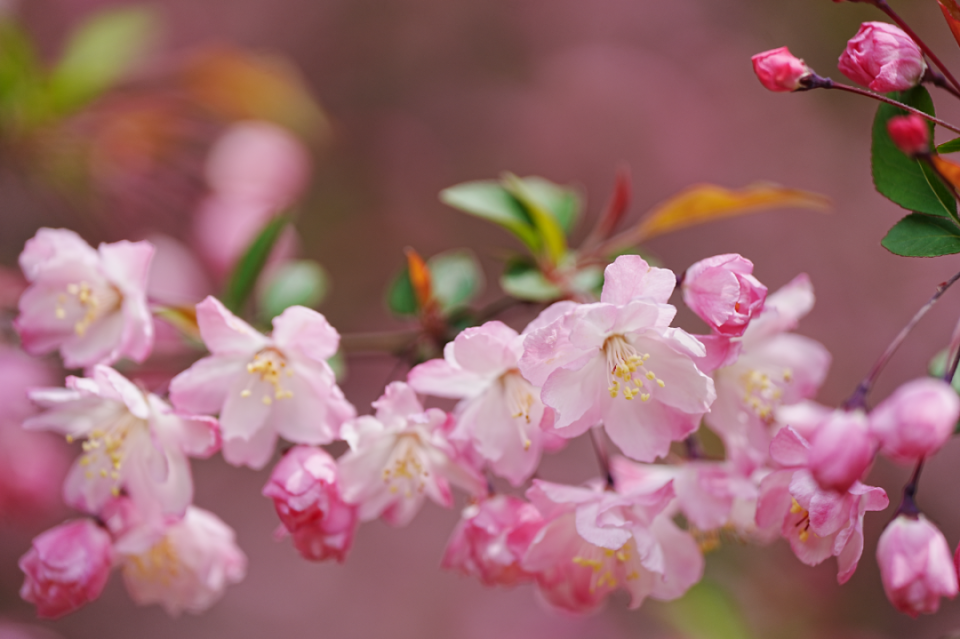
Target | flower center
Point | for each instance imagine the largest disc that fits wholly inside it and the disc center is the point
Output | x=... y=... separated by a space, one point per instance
x=84 y=305
x=406 y=469
x=520 y=396
x=802 y=533
x=627 y=369
x=608 y=564
x=762 y=393
x=270 y=366
x=159 y=564
x=106 y=447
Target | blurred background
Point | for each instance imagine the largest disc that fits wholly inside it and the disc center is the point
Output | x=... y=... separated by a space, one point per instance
x=365 y=110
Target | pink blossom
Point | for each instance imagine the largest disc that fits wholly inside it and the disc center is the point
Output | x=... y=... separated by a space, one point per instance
x=780 y=70
x=305 y=492
x=883 y=58
x=264 y=387
x=188 y=568
x=916 y=420
x=32 y=469
x=910 y=133
x=401 y=455
x=841 y=450
x=723 y=293
x=775 y=368
x=491 y=539
x=66 y=567
x=133 y=442
x=915 y=565
x=90 y=304
x=593 y=361
x=501 y=414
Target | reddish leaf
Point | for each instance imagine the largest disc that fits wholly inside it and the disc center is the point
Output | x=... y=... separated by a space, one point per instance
x=951 y=11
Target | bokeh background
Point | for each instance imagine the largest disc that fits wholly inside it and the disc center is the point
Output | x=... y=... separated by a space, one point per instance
x=423 y=94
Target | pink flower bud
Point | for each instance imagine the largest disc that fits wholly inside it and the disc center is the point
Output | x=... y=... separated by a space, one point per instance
x=723 y=293
x=67 y=567
x=910 y=133
x=841 y=450
x=491 y=540
x=915 y=565
x=780 y=70
x=916 y=420
x=304 y=490
x=883 y=58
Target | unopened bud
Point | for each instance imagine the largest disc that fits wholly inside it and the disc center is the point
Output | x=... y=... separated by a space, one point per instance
x=841 y=450
x=883 y=58
x=910 y=133
x=780 y=70
x=916 y=420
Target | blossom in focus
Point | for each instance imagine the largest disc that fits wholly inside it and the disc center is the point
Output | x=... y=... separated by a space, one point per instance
x=264 y=387
x=188 y=568
x=501 y=412
x=780 y=70
x=883 y=58
x=916 y=566
x=133 y=442
x=305 y=492
x=66 y=567
x=491 y=539
x=722 y=291
x=916 y=420
x=618 y=362
x=90 y=304
x=910 y=133
x=401 y=455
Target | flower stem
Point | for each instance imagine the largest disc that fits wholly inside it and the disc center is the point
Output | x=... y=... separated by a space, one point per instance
x=908 y=506
x=603 y=457
x=938 y=80
x=883 y=6
x=953 y=357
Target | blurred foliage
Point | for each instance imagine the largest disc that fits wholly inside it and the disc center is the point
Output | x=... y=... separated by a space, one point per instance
x=296 y=283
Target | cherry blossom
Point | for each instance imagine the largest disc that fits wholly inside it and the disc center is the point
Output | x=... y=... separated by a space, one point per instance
x=916 y=420
x=722 y=291
x=915 y=565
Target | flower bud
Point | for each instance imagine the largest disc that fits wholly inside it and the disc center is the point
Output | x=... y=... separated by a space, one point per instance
x=883 y=58
x=491 y=540
x=910 y=133
x=304 y=490
x=723 y=293
x=66 y=567
x=841 y=450
x=915 y=565
x=916 y=420
x=780 y=70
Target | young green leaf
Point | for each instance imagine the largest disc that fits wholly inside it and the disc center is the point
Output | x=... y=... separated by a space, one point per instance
x=401 y=300
x=901 y=179
x=248 y=268
x=562 y=202
x=298 y=283
x=490 y=201
x=920 y=235
x=525 y=281
x=547 y=226
x=949 y=147
x=455 y=276
x=707 y=612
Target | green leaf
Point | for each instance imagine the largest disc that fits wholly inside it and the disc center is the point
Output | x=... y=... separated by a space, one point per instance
x=949 y=147
x=22 y=93
x=248 y=268
x=548 y=227
x=401 y=300
x=456 y=277
x=490 y=201
x=923 y=236
x=901 y=179
x=99 y=53
x=299 y=283
x=707 y=612
x=525 y=281
x=562 y=202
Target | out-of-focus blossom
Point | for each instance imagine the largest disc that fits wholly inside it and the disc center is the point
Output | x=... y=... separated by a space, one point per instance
x=491 y=540
x=90 y=304
x=188 y=568
x=66 y=567
x=501 y=412
x=618 y=362
x=133 y=442
x=305 y=492
x=780 y=70
x=722 y=291
x=32 y=469
x=264 y=387
x=915 y=565
x=883 y=58
x=910 y=133
x=916 y=420
x=775 y=368
x=841 y=450
x=401 y=455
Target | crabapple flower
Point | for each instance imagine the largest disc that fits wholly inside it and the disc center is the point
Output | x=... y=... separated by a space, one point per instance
x=779 y=70
x=501 y=413
x=915 y=565
x=910 y=133
x=619 y=363
x=90 y=304
x=188 y=568
x=304 y=490
x=916 y=420
x=133 y=442
x=841 y=450
x=596 y=541
x=399 y=456
x=491 y=539
x=722 y=291
x=883 y=58
x=66 y=567
x=264 y=387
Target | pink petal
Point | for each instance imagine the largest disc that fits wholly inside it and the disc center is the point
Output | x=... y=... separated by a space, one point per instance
x=224 y=333
x=630 y=278
x=300 y=329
